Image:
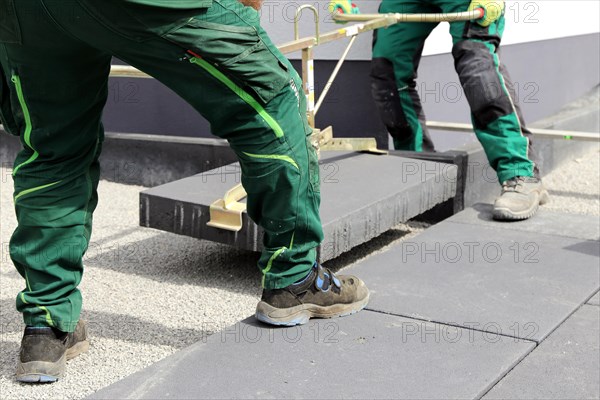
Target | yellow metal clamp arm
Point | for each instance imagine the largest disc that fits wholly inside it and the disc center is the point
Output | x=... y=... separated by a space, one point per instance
x=226 y=213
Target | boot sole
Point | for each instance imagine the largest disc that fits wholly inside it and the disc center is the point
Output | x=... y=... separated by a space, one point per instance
x=49 y=372
x=544 y=197
x=301 y=314
x=41 y=371
x=505 y=214
x=77 y=349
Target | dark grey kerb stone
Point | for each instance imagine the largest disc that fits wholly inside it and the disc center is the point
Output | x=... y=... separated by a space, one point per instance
x=585 y=227
x=564 y=366
x=363 y=195
x=364 y=356
x=497 y=280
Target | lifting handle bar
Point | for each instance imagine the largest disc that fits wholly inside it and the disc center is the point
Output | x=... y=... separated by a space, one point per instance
x=374 y=21
x=536 y=132
x=425 y=17
x=297 y=21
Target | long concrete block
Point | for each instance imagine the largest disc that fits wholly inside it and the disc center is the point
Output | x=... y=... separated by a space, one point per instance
x=451 y=206
x=363 y=196
x=145 y=160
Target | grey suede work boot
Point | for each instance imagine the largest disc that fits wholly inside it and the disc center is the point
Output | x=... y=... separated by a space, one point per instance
x=45 y=351
x=320 y=295
x=520 y=199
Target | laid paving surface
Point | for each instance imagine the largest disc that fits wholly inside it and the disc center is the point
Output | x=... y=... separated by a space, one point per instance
x=564 y=366
x=485 y=276
x=546 y=222
x=595 y=300
x=368 y=355
x=363 y=196
x=443 y=322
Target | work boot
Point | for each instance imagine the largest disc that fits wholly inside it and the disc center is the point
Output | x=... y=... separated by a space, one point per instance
x=320 y=295
x=520 y=199
x=45 y=351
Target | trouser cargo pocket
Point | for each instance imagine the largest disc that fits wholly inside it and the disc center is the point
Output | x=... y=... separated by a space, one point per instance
x=237 y=51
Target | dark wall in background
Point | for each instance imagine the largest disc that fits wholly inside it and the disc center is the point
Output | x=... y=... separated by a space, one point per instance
x=548 y=74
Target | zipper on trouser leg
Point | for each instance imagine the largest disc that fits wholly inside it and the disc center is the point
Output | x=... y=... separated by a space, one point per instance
x=16 y=80
x=245 y=96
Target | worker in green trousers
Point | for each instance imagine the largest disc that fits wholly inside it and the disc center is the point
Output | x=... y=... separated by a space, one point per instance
x=55 y=57
x=496 y=117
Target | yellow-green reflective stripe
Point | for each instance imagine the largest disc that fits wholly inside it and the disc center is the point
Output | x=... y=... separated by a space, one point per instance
x=27 y=136
x=241 y=93
x=270 y=263
x=274 y=157
x=48 y=316
x=274 y=256
x=31 y=159
x=35 y=189
x=512 y=104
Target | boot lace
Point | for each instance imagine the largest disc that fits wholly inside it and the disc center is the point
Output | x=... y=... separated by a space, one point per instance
x=512 y=185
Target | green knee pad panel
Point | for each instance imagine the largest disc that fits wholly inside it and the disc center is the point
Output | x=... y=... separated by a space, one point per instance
x=487 y=96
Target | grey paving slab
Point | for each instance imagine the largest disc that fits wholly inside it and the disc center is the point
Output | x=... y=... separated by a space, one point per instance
x=368 y=355
x=484 y=277
x=362 y=196
x=545 y=222
x=595 y=300
x=564 y=366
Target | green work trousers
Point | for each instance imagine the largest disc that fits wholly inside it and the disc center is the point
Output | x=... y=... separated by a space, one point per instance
x=496 y=117
x=56 y=56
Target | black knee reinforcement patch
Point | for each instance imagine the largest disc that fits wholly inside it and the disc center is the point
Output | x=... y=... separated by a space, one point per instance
x=481 y=81
x=386 y=97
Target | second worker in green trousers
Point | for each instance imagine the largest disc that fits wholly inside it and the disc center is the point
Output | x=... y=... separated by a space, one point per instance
x=56 y=58
x=496 y=117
